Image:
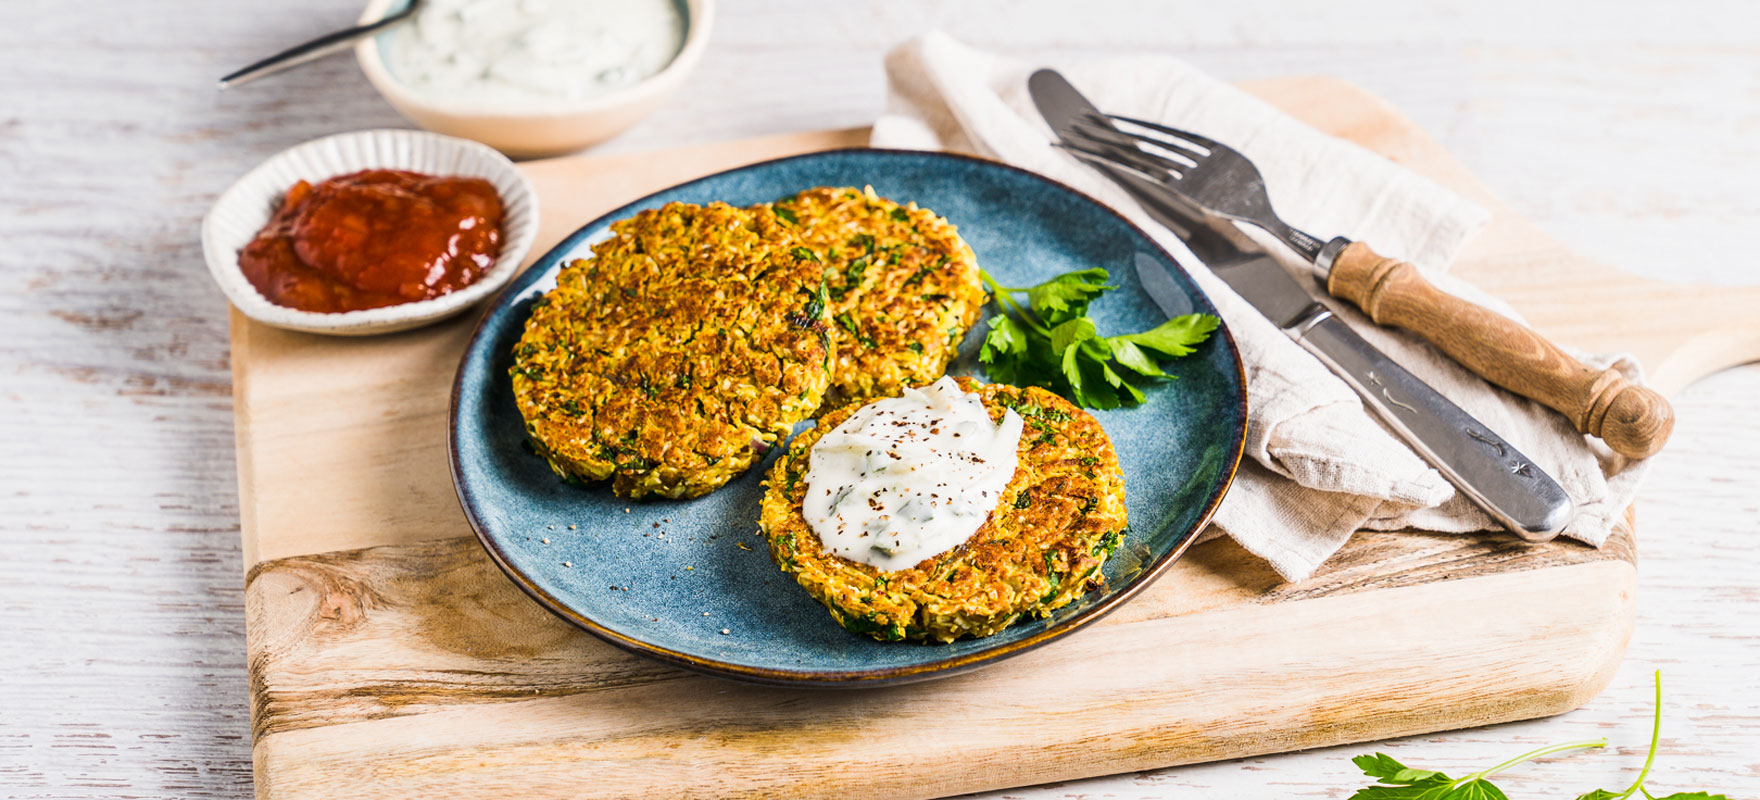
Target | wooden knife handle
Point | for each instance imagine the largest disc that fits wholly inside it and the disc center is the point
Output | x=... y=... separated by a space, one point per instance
x=1631 y=419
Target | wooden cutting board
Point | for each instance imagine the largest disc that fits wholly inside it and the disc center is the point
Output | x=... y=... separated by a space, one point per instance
x=389 y=658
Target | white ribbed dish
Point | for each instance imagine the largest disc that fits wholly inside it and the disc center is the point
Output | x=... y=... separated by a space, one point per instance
x=245 y=208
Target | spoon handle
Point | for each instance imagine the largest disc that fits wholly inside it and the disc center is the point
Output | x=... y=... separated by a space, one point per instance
x=315 y=49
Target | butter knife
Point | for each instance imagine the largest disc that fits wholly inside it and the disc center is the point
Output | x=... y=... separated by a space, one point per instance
x=1633 y=420
x=1488 y=470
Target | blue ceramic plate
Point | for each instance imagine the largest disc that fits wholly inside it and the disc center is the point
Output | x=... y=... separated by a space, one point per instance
x=601 y=562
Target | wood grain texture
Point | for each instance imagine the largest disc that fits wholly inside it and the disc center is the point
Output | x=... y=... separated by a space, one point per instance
x=419 y=670
x=397 y=630
x=120 y=599
x=349 y=649
x=1633 y=420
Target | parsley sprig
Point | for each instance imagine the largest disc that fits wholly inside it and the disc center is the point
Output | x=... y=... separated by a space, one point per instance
x=1051 y=342
x=1649 y=760
x=1400 y=782
x=1396 y=781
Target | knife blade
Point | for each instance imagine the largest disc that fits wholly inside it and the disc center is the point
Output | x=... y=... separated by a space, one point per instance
x=1488 y=470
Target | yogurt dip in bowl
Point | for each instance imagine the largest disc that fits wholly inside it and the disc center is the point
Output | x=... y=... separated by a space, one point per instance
x=534 y=77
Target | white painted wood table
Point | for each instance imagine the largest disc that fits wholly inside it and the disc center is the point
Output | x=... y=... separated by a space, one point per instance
x=1628 y=130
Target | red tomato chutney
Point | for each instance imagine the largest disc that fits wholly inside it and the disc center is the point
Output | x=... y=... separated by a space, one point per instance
x=375 y=238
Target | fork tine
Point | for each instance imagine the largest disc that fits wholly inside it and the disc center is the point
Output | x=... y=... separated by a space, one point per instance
x=1120 y=160
x=1209 y=146
x=1131 y=180
x=1127 y=178
x=1092 y=151
x=1123 y=157
x=1128 y=155
x=1184 y=150
x=1101 y=131
x=1134 y=141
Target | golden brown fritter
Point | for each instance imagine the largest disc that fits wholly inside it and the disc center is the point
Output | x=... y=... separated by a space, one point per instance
x=904 y=287
x=692 y=340
x=1062 y=514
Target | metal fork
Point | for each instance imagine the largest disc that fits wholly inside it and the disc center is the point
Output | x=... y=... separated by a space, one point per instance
x=1633 y=420
x=1206 y=172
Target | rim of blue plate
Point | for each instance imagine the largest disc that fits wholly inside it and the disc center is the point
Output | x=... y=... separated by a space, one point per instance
x=880 y=676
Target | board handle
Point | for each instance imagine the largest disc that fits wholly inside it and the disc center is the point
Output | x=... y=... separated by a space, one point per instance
x=1633 y=420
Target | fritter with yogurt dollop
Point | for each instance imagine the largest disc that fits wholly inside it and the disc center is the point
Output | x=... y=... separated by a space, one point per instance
x=1041 y=547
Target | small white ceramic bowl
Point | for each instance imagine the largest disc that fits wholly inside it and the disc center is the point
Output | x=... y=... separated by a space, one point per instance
x=243 y=210
x=562 y=127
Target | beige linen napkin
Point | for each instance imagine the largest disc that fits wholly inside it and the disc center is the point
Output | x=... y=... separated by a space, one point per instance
x=1319 y=466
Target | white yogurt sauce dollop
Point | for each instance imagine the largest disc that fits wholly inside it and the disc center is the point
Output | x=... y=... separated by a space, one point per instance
x=519 y=54
x=907 y=478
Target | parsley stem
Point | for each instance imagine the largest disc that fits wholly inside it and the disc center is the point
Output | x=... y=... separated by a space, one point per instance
x=1530 y=756
x=1655 y=739
x=999 y=288
x=1002 y=294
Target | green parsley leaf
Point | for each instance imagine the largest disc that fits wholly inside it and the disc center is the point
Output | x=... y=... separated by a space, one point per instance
x=901 y=215
x=1118 y=381
x=1477 y=789
x=1396 y=781
x=1071 y=366
x=1177 y=336
x=1083 y=355
x=1429 y=790
x=786 y=214
x=1067 y=296
x=1134 y=358
x=1053 y=343
x=1077 y=331
x=1400 y=782
x=1382 y=765
x=1006 y=338
x=803 y=254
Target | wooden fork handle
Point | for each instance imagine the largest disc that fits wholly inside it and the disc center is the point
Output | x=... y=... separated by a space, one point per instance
x=1631 y=419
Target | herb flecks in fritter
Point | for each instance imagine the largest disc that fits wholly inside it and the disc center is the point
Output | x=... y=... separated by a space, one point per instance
x=692 y=341
x=1041 y=548
x=903 y=287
